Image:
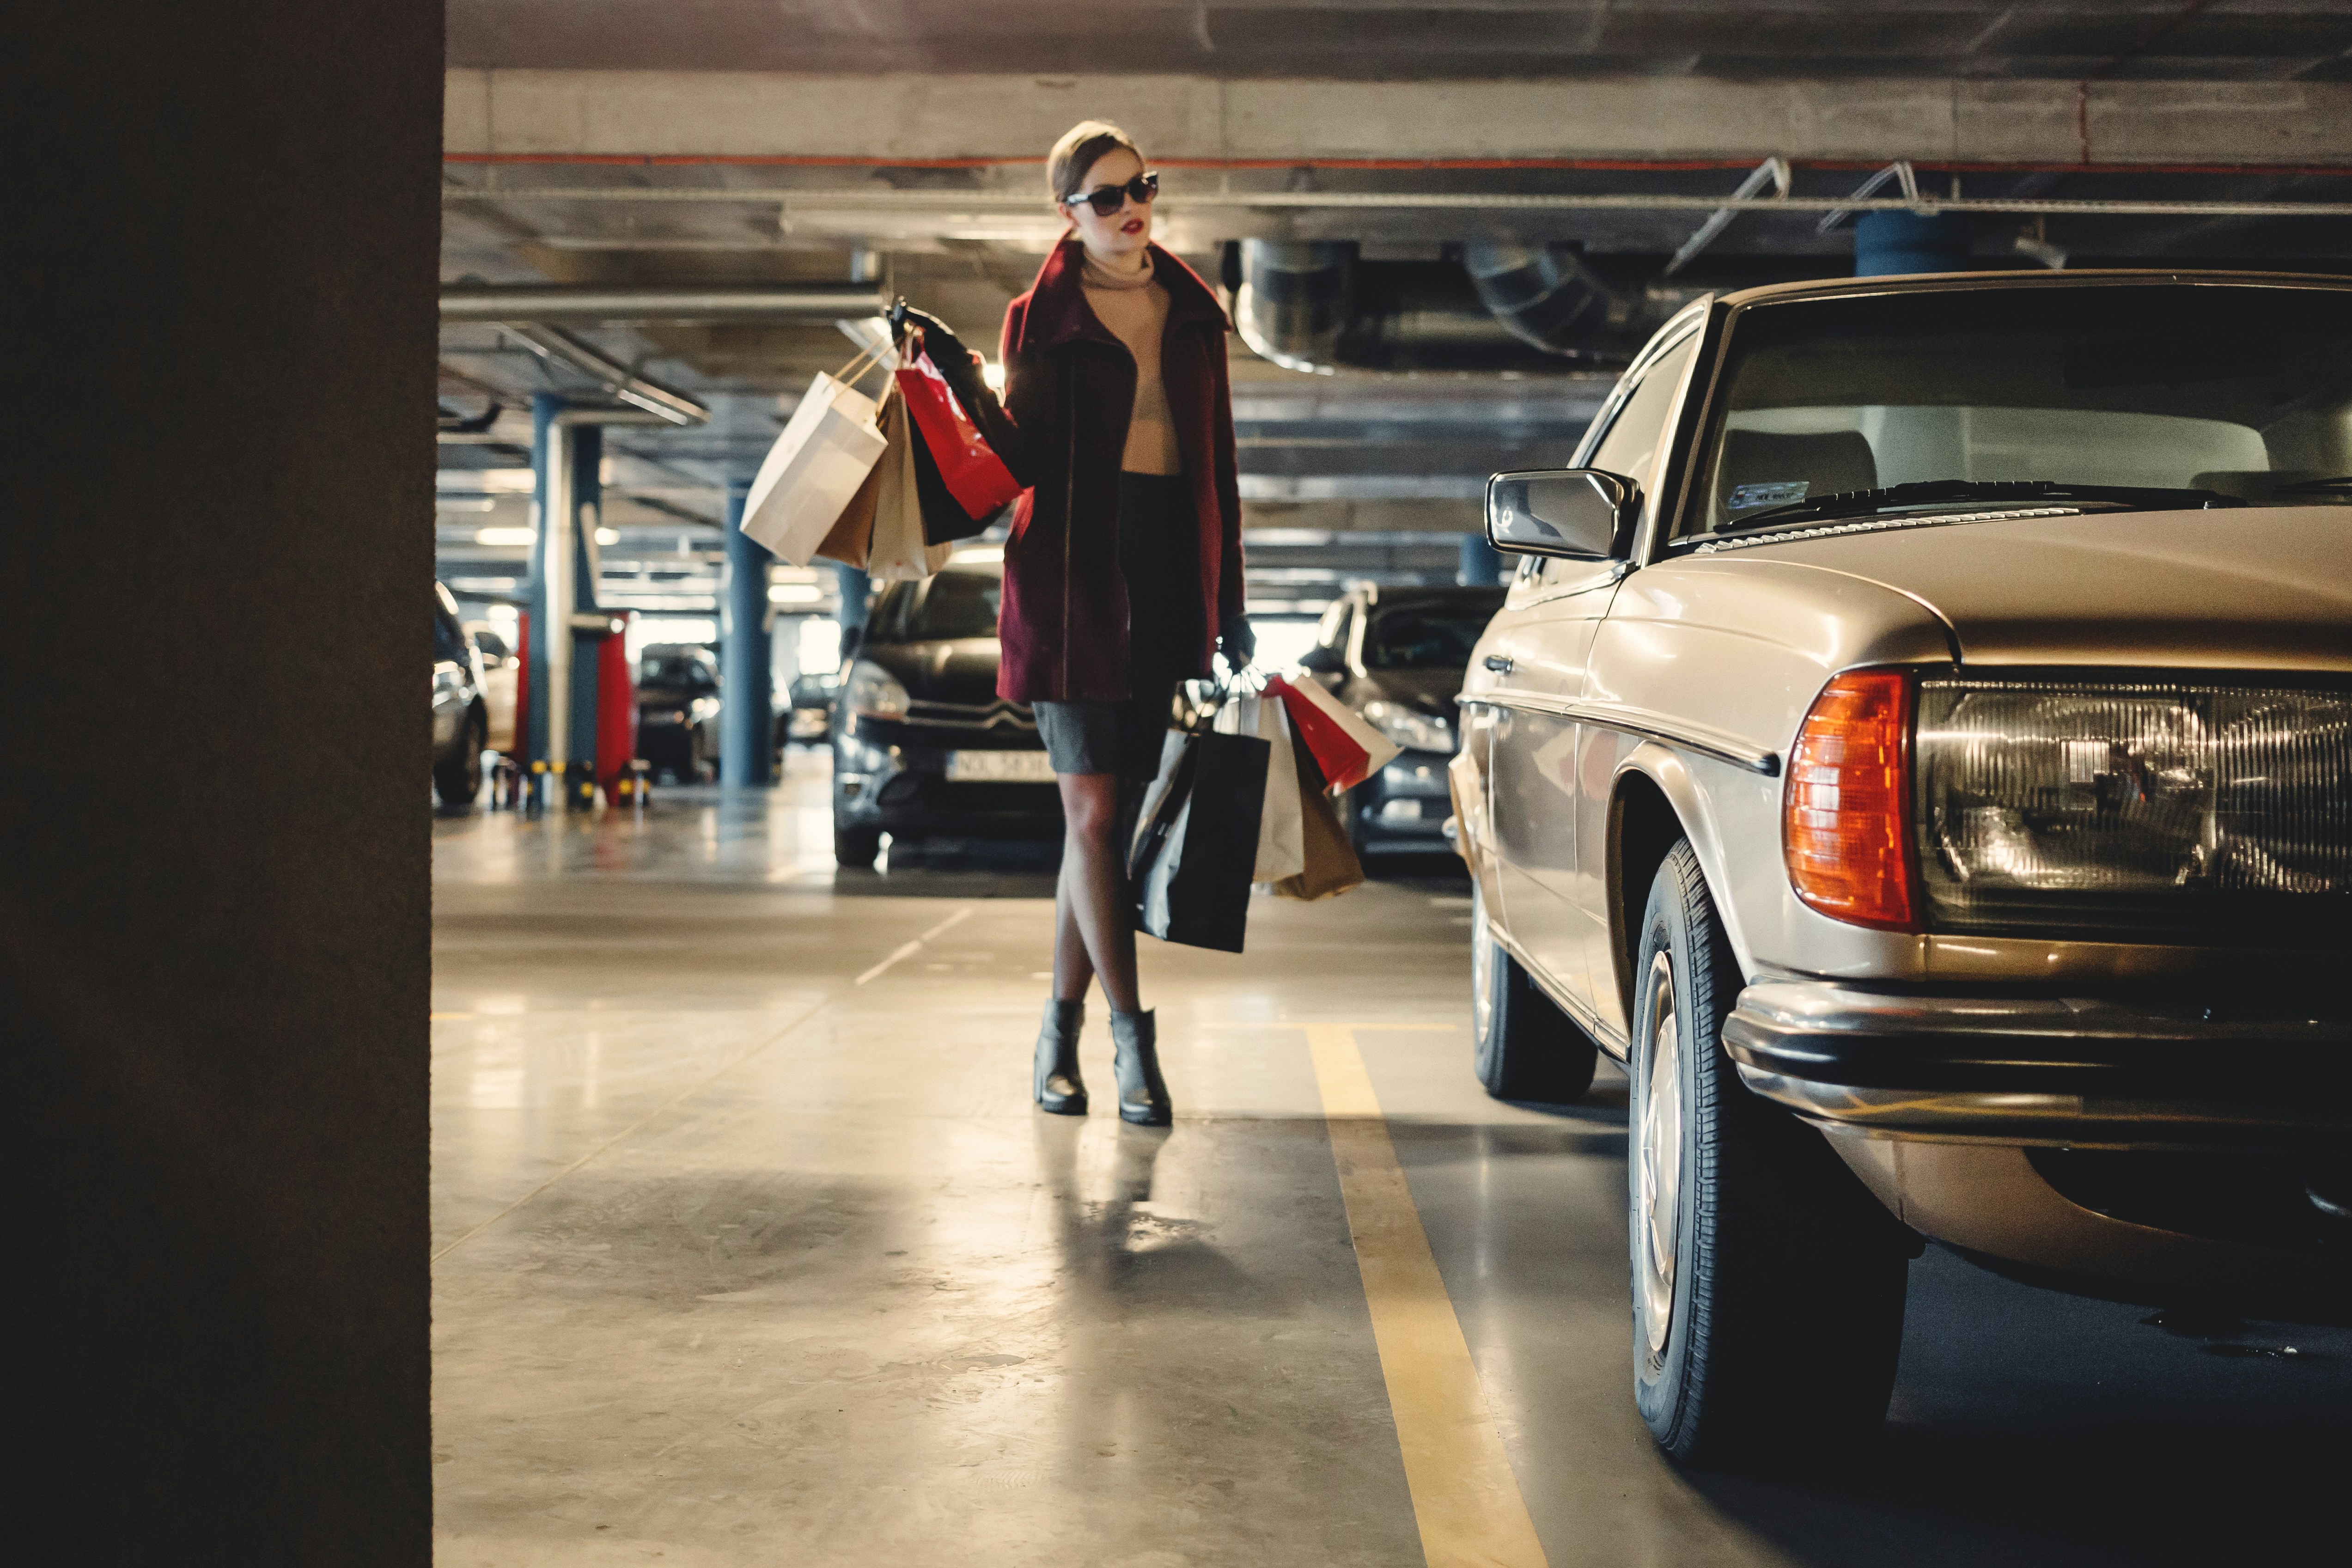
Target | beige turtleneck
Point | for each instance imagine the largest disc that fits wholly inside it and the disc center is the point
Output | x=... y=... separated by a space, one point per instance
x=1134 y=306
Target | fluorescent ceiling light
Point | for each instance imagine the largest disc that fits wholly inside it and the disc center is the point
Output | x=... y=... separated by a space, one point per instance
x=510 y=536
x=608 y=536
x=794 y=593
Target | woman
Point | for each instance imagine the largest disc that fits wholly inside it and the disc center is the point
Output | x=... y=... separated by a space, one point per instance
x=1123 y=573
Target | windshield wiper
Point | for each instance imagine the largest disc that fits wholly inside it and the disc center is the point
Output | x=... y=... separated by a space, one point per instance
x=2008 y=493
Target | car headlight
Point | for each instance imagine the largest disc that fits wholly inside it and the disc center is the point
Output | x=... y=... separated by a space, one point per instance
x=874 y=691
x=1414 y=730
x=703 y=708
x=2128 y=805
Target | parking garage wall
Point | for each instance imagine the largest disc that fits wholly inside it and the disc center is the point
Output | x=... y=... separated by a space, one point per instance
x=213 y=922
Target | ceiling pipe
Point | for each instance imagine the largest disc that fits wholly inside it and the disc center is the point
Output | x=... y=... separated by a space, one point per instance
x=618 y=380
x=517 y=303
x=1318 y=307
x=1551 y=299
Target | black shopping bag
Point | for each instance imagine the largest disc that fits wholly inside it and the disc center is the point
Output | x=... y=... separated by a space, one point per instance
x=1196 y=843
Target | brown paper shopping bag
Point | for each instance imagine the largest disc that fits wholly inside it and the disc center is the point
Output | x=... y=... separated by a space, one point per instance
x=1331 y=864
x=899 y=551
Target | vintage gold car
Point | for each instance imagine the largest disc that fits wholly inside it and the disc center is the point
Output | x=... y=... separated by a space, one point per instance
x=1918 y=743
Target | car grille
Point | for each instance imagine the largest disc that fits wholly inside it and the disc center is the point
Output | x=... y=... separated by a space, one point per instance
x=999 y=715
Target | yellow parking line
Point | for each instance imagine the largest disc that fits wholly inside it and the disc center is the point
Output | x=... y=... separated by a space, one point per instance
x=1465 y=1497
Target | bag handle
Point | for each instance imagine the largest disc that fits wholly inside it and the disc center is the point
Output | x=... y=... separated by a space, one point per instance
x=850 y=375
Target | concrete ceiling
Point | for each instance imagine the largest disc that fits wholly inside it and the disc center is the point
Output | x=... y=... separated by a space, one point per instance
x=697 y=142
x=2251 y=40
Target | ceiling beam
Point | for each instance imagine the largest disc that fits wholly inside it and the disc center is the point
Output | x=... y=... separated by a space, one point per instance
x=915 y=119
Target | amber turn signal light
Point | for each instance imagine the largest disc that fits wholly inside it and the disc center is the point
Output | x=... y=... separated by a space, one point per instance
x=1845 y=822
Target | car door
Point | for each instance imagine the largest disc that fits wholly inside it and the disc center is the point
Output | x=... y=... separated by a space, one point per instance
x=1538 y=653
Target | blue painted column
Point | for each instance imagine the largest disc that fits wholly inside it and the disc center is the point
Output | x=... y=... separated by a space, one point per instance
x=587 y=512
x=545 y=434
x=855 y=589
x=1481 y=564
x=746 y=680
x=1890 y=242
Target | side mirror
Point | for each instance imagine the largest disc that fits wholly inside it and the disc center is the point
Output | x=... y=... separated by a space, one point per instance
x=1581 y=513
x=1321 y=660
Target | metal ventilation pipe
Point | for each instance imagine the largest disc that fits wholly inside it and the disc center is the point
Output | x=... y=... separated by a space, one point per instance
x=1552 y=300
x=1316 y=307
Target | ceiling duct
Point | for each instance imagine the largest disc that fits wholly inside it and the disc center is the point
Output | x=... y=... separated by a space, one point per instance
x=1320 y=306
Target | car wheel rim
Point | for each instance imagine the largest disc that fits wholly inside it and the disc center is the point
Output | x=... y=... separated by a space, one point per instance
x=1657 y=1209
x=1482 y=970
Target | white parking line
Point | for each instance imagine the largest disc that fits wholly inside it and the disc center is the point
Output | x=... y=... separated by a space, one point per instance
x=908 y=949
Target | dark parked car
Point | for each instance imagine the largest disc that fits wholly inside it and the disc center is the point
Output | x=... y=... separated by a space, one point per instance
x=461 y=718
x=1397 y=655
x=924 y=746
x=677 y=710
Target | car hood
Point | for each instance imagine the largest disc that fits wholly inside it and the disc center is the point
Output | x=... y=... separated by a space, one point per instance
x=2231 y=588
x=963 y=669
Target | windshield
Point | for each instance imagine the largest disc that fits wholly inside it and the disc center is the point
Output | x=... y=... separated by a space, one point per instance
x=1427 y=636
x=2242 y=393
x=958 y=605
x=679 y=671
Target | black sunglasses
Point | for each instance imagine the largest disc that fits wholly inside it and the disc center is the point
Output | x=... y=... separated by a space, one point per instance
x=1107 y=199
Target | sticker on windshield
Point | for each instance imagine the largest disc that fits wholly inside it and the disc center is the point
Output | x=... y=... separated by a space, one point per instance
x=1771 y=493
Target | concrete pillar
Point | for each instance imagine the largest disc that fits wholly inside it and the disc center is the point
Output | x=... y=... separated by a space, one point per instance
x=1892 y=242
x=746 y=680
x=215 y=938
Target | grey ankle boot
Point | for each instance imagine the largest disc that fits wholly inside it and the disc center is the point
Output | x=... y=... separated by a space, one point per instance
x=1135 y=1063
x=1059 y=1087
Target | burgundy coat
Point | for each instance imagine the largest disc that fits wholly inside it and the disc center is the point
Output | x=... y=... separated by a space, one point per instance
x=1069 y=394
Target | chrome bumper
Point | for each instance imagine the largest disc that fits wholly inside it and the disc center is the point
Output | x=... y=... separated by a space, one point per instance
x=2045 y=1069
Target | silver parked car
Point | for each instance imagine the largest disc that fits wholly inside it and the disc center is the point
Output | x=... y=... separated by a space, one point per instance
x=1918 y=743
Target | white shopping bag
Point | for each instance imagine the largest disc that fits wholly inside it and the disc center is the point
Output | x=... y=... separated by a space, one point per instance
x=898 y=553
x=811 y=473
x=1281 y=829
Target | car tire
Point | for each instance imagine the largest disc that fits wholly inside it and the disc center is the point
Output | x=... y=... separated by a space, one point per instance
x=1523 y=1046
x=1768 y=1283
x=856 y=847
x=458 y=781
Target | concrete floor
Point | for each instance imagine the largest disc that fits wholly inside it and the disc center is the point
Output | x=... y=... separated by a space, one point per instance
x=749 y=1249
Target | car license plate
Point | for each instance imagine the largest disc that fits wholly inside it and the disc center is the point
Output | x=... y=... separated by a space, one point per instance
x=1000 y=767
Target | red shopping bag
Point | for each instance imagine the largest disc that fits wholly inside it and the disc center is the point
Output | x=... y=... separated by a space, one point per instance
x=972 y=482
x=1346 y=748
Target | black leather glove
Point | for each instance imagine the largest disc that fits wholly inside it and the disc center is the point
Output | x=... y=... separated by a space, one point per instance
x=955 y=362
x=1238 y=641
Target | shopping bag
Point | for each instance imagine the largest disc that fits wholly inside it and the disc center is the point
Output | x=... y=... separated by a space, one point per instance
x=1347 y=749
x=850 y=540
x=1331 y=865
x=1280 y=852
x=899 y=551
x=816 y=468
x=1197 y=841
x=962 y=483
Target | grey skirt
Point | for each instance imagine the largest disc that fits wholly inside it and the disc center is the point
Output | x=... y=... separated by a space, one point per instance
x=1157 y=544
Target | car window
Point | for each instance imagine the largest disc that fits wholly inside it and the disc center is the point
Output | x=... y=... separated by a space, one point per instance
x=1427 y=636
x=958 y=604
x=1630 y=445
x=2241 y=393
x=679 y=671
